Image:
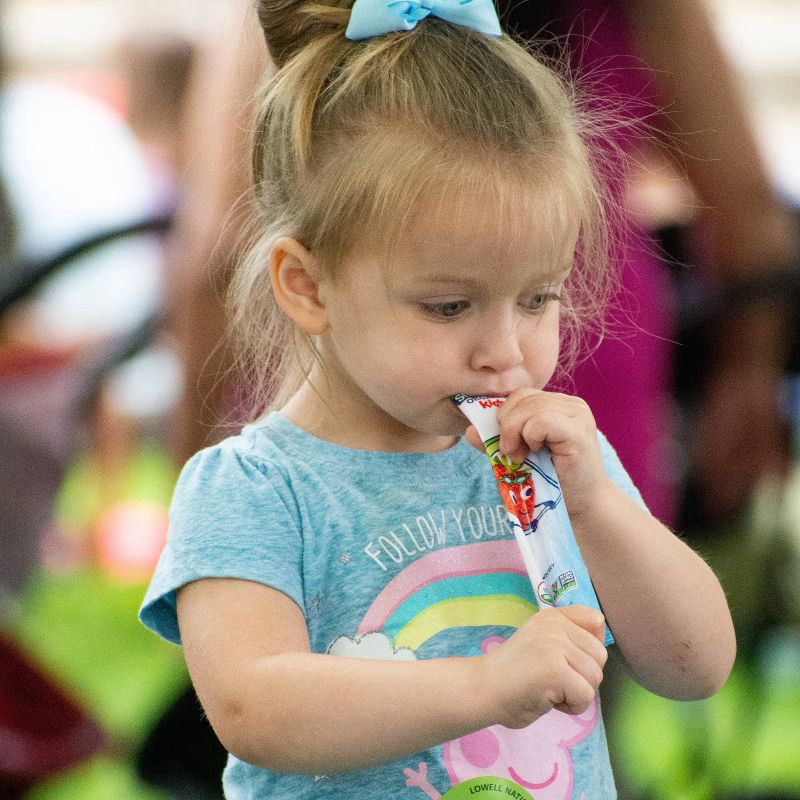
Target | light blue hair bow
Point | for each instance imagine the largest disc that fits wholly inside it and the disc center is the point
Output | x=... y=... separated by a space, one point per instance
x=375 y=17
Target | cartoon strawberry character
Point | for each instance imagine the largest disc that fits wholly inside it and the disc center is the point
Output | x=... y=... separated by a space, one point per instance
x=516 y=488
x=515 y=482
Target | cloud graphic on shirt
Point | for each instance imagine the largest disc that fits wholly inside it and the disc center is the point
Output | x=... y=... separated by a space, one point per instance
x=371 y=645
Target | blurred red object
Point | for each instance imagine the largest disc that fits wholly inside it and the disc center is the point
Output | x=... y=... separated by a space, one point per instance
x=129 y=539
x=42 y=730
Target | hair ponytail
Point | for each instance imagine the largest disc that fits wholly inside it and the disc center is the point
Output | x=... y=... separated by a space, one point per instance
x=291 y=25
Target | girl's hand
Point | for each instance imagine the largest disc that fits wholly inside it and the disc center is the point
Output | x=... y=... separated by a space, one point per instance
x=555 y=660
x=531 y=419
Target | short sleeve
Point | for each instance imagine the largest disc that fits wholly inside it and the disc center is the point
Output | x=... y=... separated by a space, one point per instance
x=232 y=516
x=614 y=469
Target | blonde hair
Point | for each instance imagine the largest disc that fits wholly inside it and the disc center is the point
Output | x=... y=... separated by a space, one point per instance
x=349 y=135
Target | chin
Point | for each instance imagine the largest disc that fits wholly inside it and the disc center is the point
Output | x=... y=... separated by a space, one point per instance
x=453 y=430
x=451 y=423
x=433 y=427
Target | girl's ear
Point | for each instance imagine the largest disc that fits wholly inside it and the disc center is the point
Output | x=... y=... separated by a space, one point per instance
x=295 y=275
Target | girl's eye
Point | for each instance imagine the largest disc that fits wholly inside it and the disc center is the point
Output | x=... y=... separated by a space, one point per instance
x=538 y=301
x=452 y=308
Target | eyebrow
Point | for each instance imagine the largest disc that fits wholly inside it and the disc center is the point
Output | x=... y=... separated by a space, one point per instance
x=452 y=278
x=449 y=279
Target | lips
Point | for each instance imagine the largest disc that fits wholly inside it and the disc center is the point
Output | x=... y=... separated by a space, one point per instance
x=486 y=393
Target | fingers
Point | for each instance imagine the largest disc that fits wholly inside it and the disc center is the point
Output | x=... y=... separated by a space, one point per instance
x=555 y=660
x=585 y=657
x=531 y=419
x=579 y=685
x=578 y=696
x=583 y=664
x=590 y=619
x=588 y=645
x=582 y=631
x=585 y=661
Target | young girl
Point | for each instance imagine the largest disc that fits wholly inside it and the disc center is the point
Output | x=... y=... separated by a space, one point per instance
x=352 y=604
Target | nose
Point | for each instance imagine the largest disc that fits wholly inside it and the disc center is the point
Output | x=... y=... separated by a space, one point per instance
x=497 y=348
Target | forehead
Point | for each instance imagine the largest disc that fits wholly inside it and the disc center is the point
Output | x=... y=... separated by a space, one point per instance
x=529 y=229
x=399 y=186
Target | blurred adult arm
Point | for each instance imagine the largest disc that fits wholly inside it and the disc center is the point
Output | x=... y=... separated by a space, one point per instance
x=745 y=233
x=210 y=222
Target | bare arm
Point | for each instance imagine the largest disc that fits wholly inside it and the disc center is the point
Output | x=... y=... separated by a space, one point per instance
x=744 y=232
x=278 y=706
x=210 y=222
x=664 y=605
x=666 y=608
x=747 y=226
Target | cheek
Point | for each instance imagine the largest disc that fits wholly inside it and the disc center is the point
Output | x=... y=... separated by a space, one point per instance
x=392 y=371
x=365 y=339
x=427 y=356
x=542 y=351
x=549 y=366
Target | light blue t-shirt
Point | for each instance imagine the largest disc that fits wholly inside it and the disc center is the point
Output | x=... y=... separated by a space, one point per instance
x=388 y=555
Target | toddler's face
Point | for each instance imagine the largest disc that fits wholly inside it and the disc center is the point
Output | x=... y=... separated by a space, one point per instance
x=459 y=309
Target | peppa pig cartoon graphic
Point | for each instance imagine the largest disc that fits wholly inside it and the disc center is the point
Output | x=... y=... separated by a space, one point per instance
x=536 y=758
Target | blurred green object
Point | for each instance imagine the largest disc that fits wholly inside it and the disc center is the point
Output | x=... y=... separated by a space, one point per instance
x=149 y=476
x=745 y=741
x=81 y=626
x=100 y=779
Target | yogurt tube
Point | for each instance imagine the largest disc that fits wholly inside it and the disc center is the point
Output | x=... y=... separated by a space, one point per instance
x=538 y=517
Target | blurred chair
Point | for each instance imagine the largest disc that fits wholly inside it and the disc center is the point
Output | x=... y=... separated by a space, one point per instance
x=45 y=403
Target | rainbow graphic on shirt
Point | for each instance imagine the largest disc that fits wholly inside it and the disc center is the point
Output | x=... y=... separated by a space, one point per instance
x=481 y=584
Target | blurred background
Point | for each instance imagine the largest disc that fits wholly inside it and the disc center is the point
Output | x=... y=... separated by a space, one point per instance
x=101 y=201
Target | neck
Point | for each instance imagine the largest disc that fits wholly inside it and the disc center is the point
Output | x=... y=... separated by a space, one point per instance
x=322 y=412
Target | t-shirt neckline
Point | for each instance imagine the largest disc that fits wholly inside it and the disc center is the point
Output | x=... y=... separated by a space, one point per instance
x=303 y=442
